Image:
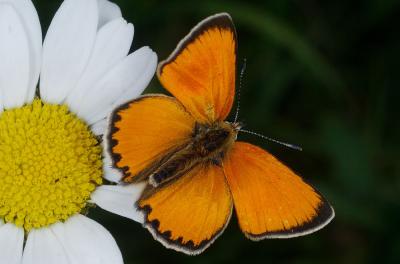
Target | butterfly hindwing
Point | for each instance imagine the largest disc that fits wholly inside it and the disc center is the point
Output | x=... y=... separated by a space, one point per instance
x=147 y=130
x=201 y=71
x=188 y=214
x=270 y=200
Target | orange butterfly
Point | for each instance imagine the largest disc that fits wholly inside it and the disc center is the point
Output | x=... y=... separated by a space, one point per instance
x=195 y=170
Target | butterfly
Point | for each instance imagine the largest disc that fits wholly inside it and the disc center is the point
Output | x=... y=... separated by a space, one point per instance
x=195 y=171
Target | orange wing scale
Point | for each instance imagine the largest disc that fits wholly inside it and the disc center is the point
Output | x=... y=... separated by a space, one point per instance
x=270 y=199
x=201 y=72
x=190 y=213
x=146 y=129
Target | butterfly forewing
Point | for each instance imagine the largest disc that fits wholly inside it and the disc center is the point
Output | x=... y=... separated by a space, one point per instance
x=201 y=71
x=271 y=201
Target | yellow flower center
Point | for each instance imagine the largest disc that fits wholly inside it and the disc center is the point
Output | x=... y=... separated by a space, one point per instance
x=50 y=162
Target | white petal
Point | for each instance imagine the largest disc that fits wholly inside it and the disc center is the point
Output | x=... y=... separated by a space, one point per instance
x=11 y=243
x=42 y=246
x=112 y=44
x=120 y=199
x=87 y=242
x=100 y=127
x=14 y=58
x=30 y=20
x=141 y=84
x=132 y=73
x=110 y=173
x=67 y=48
x=108 y=11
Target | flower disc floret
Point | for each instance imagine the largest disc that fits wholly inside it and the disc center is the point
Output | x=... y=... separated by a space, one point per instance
x=50 y=163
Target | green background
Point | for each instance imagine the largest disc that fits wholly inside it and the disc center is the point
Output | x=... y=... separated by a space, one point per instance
x=321 y=74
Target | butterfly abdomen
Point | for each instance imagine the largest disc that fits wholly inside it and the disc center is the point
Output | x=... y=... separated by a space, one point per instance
x=177 y=165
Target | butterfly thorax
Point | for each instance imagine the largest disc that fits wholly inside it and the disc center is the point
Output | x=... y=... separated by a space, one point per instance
x=208 y=143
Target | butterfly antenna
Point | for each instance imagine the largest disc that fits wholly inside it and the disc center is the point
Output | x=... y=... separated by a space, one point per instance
x=273 y=140
x=240 y=88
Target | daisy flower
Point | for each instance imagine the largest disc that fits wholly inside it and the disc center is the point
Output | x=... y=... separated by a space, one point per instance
x=51 y=158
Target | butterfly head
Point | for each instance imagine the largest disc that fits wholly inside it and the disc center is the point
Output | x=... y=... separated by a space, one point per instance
x=236 y=126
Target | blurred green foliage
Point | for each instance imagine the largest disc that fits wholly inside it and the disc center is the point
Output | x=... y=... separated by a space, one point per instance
x=321 y=74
